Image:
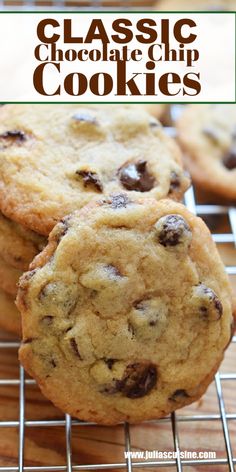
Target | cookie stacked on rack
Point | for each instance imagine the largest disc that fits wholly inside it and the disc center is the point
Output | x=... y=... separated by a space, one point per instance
x=127 y=311
x=55 y=159
x=18 y=246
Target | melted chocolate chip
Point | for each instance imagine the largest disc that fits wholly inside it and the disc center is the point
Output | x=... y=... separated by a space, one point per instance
x=13 y=136
x=84 y=117
x=138 y=380
x=174 y=230
x=110 y=363
x=90 y=179
x=211 y=308
x=75 y=348
x=174 y=182
x=229 y=159
x=135 y=176
x=152 y=323
x=178 y=395
x=53 y=363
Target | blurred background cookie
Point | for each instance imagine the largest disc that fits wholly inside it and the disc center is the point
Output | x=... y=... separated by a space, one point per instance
x=207 y=134
x=9 y=315
x=204 y=5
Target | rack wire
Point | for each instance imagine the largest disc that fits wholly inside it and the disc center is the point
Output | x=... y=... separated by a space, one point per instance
x=174 y=420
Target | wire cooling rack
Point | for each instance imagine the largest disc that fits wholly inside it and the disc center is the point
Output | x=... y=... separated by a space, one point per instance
x=212 y=213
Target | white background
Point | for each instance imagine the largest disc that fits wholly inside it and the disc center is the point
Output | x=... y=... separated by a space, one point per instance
x=18 y=38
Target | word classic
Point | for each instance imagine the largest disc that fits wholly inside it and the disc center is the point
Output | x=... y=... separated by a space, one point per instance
x=117 y=56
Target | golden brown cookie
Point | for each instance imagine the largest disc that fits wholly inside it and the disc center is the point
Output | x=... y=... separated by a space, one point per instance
x=9 y=277
x=9 y=315
x=127 y=312
x=55 y=159
x=207 y=134
x=18 y=245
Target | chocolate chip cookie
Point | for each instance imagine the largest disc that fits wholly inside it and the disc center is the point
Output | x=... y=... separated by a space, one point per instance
x=9 y=315
x=207 y=134
x=195 y=5
x=9 y=277
x=18 y=245
x=127 y=312
x=55 y=159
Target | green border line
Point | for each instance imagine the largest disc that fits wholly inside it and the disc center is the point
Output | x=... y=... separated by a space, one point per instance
x=72 y=12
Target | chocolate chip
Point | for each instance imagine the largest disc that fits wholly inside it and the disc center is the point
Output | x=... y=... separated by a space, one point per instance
x=152 y=323
x=229 y=159
x=173 y=230
x=174 y=182
x=75 y=348
x=13 y=136
x=90 y=179
x=110 y=363
x=85 y=117
x=135 y=176
x=210 y=308
x=147 y=314
x=58 y=296
x=178 y=395
x=138 y=380
x=53 y=363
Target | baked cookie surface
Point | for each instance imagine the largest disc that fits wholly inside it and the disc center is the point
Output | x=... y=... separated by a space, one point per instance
x=18 y=245
x=55 y=159
x=207 y=133
x=9 y=315
x=9 y=277
x=195 y=5
x=127 y=311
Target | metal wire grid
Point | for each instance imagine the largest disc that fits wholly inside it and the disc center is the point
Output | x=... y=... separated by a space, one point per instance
x=174 y=419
